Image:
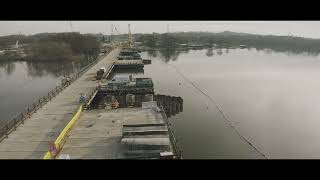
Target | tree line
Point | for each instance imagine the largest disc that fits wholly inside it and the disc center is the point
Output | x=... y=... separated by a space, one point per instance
x=55 y=46
x=229 y=39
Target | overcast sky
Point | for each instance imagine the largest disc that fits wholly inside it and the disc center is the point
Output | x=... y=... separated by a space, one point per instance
x=296 y=28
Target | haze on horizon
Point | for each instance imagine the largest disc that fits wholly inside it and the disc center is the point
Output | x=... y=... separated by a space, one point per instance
x=309 y=29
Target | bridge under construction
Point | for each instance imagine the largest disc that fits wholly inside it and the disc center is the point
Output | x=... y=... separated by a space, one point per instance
x=58 y=126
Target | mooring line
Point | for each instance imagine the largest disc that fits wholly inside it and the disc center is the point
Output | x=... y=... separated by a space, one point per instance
x=220 y=110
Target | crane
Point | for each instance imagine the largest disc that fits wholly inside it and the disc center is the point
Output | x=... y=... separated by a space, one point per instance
x=113 y=33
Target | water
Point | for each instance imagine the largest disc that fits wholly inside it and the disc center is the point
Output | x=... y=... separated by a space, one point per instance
x=270 y=98
x=22 y=83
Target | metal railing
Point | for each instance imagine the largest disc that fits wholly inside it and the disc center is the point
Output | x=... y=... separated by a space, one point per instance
x=12 y=124
x=171 y=134
x=90 y=98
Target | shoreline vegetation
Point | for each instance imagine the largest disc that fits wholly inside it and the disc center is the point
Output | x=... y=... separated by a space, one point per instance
x=73 y=46
x=47 y=47
x=229 y=40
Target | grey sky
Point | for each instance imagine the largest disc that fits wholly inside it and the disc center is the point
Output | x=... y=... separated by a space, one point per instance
x=297 y=28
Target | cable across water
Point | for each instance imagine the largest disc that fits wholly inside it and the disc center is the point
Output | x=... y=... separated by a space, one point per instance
x=220 y=111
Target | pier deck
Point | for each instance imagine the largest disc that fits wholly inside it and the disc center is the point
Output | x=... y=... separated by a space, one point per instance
x=32 y=139
x=97 y=133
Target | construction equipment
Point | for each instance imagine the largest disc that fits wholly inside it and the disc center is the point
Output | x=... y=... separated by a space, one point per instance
x=100 y=73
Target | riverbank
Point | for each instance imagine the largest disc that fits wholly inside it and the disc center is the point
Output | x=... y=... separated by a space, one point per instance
x=50 y=47
x=227 y=39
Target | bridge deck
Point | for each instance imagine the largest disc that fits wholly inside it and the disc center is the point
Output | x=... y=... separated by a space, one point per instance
x=97 y=133
x=32 y=139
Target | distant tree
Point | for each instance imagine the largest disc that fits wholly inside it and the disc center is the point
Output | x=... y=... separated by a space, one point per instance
x=49 y=51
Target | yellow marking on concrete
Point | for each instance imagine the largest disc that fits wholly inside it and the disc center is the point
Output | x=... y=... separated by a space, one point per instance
x=63 y=135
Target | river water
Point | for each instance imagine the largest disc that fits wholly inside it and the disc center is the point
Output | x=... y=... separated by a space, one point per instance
x=270 y=98
x=22 y=83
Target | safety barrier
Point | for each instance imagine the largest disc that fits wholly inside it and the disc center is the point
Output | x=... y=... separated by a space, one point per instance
x=58 y=143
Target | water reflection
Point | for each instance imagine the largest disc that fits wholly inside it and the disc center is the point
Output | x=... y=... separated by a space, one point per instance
x=219 y=51
x=7 y=66
x=209 y=52
x=39 y=69
x=172 y=54
x=152 y=53
x=169 y=54
x=166 y=54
